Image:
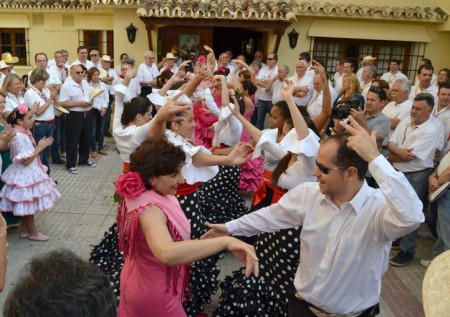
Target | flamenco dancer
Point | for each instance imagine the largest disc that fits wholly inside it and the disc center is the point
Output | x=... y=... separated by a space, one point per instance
x=219 y=197
x=131 y=125
x=200 y=167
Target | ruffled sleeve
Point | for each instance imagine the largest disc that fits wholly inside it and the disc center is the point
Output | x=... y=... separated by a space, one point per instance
x=268 y=143
x=21 y=148
x=307 y=146
x=191 y=173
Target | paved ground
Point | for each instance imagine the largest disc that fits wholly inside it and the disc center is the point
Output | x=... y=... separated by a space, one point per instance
x=86 y=210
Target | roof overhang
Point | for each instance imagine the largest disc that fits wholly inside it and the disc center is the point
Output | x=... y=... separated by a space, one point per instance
x=369 y=30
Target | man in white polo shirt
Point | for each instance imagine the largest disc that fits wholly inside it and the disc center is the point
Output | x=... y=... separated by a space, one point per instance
x=74 y=96
x=265 y=98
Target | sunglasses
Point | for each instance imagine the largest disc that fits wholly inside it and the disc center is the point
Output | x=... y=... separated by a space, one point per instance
x=325 y=170
x=93 y=55
x=270 y=58
x=79 y=73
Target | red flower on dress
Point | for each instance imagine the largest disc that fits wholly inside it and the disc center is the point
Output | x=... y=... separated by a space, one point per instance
x=130 y=185
x=201 y=59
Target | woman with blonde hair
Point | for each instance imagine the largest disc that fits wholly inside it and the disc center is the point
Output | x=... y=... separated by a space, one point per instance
x=351 y=88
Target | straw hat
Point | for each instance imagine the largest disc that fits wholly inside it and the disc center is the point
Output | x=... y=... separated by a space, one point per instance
x=8 y=58
x=170 y=56
x=3 y=65
x=436 y=287
x=106 y=58
x=368 y=59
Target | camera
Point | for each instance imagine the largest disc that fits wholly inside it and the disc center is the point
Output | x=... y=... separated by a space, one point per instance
x=342 y=109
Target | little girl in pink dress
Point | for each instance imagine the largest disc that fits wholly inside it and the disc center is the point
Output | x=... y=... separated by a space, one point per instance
x=28 y=189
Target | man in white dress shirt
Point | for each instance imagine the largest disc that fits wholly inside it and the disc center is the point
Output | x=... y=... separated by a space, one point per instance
x=412 y=149
x=277 y=83
x=366 y=61
x=82 y=53
x=303 y=84
x=425 y=75
x=400 y=106
x=95 y=59
x=347 y=226
x=108 y=75
x=148 y=71
x=315 y=105
x=74 y=96
x=265 y=98
x=394 y=73
x=347 y=68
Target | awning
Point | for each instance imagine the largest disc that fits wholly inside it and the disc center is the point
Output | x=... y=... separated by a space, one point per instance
x=15 y=21
x=369 y=31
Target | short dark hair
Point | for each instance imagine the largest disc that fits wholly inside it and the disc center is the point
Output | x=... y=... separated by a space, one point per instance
x=38 y=75
x=346 y=157
x=137 y=105
x=427 y=61
x=37 y=54
x=82 y=47
x=379 y=91
x=305 y=55
x=61 y=284
x=425 y=66
x=424 y=96
x=444 y=85
x=122 y=55
x=156 y=157
x=395 y=61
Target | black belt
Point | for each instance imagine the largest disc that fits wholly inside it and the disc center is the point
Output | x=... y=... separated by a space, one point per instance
x=45 y=121
x=369 y=312
x=407 y=173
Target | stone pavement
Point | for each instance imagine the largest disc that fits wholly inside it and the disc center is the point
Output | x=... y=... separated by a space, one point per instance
x=86 y=209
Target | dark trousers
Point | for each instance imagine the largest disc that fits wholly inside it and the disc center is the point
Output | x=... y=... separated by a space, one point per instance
x=41 y=130
x=299 y=308
x=56 y=157
x=98 y=125
x=78 y=136
x=108 y=115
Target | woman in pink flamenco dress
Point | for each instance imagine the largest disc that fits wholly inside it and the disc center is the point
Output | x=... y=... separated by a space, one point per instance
x=204 y=119
x=154 y=235
x=28 y=189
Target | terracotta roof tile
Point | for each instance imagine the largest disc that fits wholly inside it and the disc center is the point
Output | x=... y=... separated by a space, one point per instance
x=237 y=9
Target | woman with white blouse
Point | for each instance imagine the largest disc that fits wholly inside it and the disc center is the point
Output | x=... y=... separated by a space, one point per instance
x=13 y=87
x=100 y=100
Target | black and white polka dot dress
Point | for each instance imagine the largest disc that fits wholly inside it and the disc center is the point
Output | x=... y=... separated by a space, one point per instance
x=108 y=258
x=220 y=199
x=267 y=295
x=203 y=281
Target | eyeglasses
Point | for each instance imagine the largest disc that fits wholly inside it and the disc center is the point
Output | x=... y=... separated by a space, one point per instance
x=150 y=57
x=93 y=55
x=270 y=58
x=79 y=73
x=325 y=170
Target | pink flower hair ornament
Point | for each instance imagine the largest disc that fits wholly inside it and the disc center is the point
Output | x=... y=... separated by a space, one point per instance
x=22 y=108
x=130 y=185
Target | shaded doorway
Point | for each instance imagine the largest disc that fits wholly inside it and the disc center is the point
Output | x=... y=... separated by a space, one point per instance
x=239 y=40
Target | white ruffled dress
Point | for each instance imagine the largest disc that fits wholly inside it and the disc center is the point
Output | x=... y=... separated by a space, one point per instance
x=28 y=189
